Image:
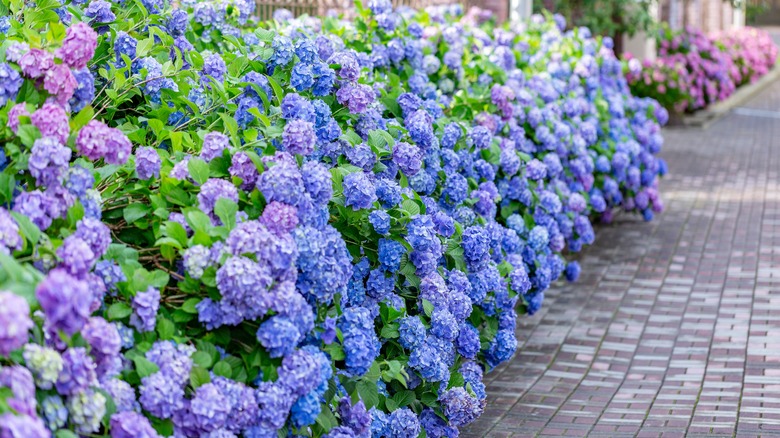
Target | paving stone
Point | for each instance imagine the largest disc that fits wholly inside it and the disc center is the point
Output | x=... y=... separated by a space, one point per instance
x=674 y=327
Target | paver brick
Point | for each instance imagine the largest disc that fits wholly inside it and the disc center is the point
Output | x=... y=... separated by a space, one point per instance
x=674 y=327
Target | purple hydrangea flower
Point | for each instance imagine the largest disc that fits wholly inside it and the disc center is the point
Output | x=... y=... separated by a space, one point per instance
x=15 y=322
x=243 y=167
x=10 y=83
x=10 y=239
x=275 y=402
x=211 y=191
x=18 y=426
x=14 y=113
x=76 y=256
x=403 y=423
x=122 y=394
x=128 y=424
x=35 y=63
x=145 y=306
x=356 y=97
x=65 y=301
x=359 y=191
x=282 y=182
x=85 y=90
x=100 y=11
x=279 y=217
x=214 y=143
x=96 y=140
x=460 y=407
x=147 y=163
x=78 y=47
x=209 y=407
x=78 y=372
x=279 y=336
x=103 y=338
x=317 y=181
x=52 y=121
x=349 y=68
x=408 y=157
x=160 y=395
x=173 y=359
x=299 y=137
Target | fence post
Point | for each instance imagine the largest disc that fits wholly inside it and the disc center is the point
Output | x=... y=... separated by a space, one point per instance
x=642 y=45
x=738 y=15
x=520 y=10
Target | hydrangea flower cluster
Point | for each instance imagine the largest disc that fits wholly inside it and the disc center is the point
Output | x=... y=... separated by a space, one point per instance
x=694 y=70
x=229 y=228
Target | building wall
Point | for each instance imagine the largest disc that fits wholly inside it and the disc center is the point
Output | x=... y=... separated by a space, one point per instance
x=708 y=15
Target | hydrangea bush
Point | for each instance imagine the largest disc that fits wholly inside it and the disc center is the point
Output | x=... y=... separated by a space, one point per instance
x=694 y=70
x=213 y=227
x=753 y=51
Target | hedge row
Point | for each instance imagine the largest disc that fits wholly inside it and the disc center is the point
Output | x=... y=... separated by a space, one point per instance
x=694 y=70
x=215 y=227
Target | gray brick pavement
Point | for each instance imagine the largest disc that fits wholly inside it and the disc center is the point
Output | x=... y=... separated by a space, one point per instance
x=674 y=326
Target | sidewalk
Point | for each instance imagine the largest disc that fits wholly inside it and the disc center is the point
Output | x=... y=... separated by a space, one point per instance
x=674 y=326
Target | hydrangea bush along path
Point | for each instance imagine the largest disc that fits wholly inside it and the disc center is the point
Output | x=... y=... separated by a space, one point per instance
x=673 y=327
x=306 y=227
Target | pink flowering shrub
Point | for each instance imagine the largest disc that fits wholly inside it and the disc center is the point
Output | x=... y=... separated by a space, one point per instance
x=663 y=78
x=752 y=51
x=693 y=70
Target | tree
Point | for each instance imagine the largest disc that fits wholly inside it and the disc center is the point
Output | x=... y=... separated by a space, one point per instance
x=613 y=18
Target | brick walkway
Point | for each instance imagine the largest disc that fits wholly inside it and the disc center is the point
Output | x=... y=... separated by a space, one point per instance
x=674 y=326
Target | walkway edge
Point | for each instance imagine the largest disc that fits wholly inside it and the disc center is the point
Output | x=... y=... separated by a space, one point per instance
x=713 y=113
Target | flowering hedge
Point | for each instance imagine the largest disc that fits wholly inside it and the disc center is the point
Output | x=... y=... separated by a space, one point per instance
x=693 y=70
x=214 y=227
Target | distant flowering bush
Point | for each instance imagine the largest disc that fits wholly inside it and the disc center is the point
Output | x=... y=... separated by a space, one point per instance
x=213 y=227
x=693 y=70
x=753 y=51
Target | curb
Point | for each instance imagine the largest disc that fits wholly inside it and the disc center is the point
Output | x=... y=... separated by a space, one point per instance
x=706 y=117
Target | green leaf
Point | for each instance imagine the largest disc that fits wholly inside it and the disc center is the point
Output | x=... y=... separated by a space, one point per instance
x=203 y=359
x=265 y=35
x=189 y=306
x=82 y=118
x=428 y=308
x=352 y=137
x=199 y=170
x=410 y=207
x=429 y=399
x=119 y=310
x=327 y=420
x=198 y=221
x=163 y=427
x=199 y=376
x=64 y=433
x=28 y=134
x=144 y=367
x=404 y=398
x=226 y=210
x=165 y=328
x=368 y=393
x=7 y=187
x=335 y=351
x=176 y=231
x=277 y=89
x=29 y=230
x=390 y=331
x=391 y=404
x=373 y=372
x=133 y=212
x=223 y=369
x=456 y=379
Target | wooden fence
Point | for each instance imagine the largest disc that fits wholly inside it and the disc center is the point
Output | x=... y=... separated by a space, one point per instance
x=265 y=8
